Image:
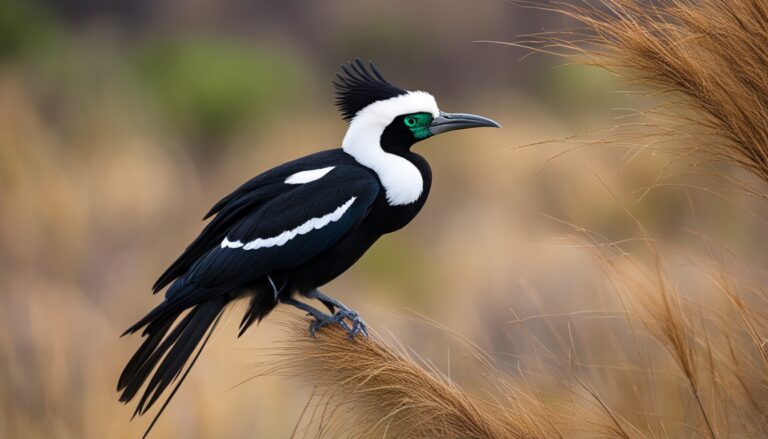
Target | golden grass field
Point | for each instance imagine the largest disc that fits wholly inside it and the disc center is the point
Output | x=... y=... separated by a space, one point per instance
x=610 y=282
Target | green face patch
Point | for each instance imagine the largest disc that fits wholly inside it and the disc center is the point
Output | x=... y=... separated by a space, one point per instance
x=418 y=123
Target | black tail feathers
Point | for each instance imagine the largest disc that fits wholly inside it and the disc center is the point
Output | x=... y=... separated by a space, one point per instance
x=166 y=350
x=263 y=301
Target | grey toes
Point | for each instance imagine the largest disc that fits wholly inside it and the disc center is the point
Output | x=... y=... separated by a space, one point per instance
x=340 y=318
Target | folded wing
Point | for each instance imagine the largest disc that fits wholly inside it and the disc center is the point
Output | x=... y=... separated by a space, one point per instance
x=243 y=201
x=282 y=232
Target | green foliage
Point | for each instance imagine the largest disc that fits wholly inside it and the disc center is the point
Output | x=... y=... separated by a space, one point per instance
x=24 y=25
x=210 y=88
x=572 y=89
x=385 y=265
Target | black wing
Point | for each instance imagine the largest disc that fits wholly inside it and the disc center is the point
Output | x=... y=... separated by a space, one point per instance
x=248 y=198
x=310 y=219
x=286 y=231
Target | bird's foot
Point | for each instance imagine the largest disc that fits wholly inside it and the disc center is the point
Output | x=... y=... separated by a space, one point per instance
x=322 y=320
x=358 y=324
x=340 y=313
x=340 y=318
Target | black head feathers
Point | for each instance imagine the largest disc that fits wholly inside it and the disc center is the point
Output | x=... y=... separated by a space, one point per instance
x=357 y=87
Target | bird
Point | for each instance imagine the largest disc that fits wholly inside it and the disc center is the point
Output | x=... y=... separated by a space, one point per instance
x=290 y=230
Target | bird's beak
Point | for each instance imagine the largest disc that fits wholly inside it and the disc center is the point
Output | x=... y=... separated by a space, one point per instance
x=458 y=121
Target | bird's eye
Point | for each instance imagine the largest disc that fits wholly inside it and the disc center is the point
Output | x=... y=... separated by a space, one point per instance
x=410 y=121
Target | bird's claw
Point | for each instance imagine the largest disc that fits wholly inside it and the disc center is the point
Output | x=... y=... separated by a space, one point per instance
x=326 y=320
x=358 y=324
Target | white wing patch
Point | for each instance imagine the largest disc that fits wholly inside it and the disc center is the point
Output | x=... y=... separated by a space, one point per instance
x=308 y=176
x=284 y=237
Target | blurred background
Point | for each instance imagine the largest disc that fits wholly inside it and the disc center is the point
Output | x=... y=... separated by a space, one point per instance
x=122 y=122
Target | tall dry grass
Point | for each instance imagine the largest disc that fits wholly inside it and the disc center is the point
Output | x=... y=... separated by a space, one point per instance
x=700 y=371
x=705 y=61
x=699 y=343
x=93 y=209
x=717 y=346
x=367 y=388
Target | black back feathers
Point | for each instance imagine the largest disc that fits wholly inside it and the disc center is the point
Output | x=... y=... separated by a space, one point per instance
x=357 y=87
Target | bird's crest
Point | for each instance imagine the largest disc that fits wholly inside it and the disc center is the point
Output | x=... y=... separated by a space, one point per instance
x=357 y=87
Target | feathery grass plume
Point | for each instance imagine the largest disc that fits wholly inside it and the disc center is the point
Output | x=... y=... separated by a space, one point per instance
x=655 y=301
x=706 y=60
x=715 y=342
x=365 y=388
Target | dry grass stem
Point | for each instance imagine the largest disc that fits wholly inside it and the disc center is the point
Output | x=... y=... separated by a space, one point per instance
x=700 y=359
x=716 y=344
x=706 y=61
x=365 y=388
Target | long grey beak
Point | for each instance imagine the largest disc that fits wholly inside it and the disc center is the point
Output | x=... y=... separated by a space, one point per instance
x=458 y=121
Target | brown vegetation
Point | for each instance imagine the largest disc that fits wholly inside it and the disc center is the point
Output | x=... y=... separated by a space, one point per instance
x=365 y=388
x=666 y=338
x=703 y=372
x=706 y=61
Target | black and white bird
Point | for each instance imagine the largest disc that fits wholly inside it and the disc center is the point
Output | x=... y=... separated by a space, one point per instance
x=294 y=228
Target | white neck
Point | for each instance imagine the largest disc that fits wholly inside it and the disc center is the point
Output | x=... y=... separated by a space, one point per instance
x=401 y=179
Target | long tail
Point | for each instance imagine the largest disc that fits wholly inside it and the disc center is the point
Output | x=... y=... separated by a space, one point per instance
x=166 y=350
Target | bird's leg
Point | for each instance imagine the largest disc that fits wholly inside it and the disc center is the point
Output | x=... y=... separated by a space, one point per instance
x=321 y=318
x=328 y=301
x=341 y=312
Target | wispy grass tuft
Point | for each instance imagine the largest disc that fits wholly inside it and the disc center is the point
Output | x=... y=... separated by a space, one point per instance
x=367 y=388
x=705 y=60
